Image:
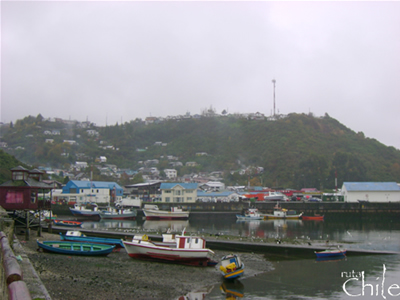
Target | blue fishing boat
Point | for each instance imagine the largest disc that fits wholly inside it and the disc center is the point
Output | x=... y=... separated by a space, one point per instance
x=331 y=252
x=75 y=248
x=231 y=266
x=77 y=236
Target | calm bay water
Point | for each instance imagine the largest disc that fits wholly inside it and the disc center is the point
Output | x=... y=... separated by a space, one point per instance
x=355 y=277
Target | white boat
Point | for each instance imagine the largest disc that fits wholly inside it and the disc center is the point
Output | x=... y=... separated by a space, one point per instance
x=275 y=196
x=82 y=211
x=179 y=249
x=152 y=212
x=282 y=213
x=250 y=214
x=118 y=214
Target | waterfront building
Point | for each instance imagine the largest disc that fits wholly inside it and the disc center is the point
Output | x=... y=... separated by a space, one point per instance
x=371 y=191
x=82 y=192
x=178 y=192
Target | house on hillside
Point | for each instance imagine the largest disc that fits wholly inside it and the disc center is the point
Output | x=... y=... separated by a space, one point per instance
x=178 y=192
x=371 y=191
x=91 y=192
x=170 y=173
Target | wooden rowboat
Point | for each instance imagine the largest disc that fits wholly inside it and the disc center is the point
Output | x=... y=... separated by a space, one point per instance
x=77 y=236
x=67 y=223
x=75 y=248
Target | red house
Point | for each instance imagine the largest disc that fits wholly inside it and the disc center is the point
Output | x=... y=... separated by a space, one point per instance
x=25 y=191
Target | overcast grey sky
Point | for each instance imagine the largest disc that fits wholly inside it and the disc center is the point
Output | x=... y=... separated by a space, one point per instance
x=113 y=61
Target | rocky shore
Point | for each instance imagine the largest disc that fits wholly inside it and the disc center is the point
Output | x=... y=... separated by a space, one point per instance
x=118 y=277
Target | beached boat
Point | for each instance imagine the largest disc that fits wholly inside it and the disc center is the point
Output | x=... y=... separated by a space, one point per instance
x=282 y=213
x=68 y=223
x=186 y=250
x=315 y=217
x=152 y=212
x=250 y=214
x=331 y=252
x=231 y=266
x=75 y=248
x=118 y=214
x=82 y=211
x=77 y=236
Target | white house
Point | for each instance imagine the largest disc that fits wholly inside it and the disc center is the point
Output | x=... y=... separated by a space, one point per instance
x=170 y=173
x=178 y=192
x=371 y=191
x=213 y=186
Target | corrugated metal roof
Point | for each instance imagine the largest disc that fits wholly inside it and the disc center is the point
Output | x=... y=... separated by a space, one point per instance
x=371 y=186
x=168 y=185
x=94 y=184
x=215 y=194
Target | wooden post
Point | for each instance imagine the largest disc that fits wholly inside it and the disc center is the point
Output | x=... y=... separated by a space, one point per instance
x=39 y=231
x=27 y=225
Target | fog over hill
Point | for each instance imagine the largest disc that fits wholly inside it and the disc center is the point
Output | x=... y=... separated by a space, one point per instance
x=293 y=151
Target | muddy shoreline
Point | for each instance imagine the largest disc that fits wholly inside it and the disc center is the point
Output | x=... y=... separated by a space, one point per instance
x=118 y=277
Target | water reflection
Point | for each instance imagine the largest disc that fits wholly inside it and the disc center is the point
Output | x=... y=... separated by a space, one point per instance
x=232 y=289
x=110 y=224
x=164 y=225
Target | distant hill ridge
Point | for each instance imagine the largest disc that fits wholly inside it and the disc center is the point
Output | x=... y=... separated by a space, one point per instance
x=296 y=151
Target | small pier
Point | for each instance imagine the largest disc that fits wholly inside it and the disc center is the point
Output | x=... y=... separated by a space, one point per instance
x=292 y=250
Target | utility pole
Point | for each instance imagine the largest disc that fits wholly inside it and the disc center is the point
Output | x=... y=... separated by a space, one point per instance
x=274 y=81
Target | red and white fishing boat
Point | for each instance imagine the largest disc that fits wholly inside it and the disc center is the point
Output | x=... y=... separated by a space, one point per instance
x=179 y=249
x=152 y=212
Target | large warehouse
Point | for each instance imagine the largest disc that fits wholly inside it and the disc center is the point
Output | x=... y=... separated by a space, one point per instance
x=371 y=191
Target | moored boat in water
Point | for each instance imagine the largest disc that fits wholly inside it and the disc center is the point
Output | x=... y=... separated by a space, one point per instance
x=75 y=248
x=82 y=211
x=152 y=212
x=68 y=223
x=250 y=214
x=282 y=213
x=315 y=217
x=331 y=252
x=118 y=214
x=180 y=249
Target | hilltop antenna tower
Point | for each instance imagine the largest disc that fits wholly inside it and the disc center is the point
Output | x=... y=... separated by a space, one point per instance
x=274 y=81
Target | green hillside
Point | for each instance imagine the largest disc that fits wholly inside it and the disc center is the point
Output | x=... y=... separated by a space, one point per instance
x=295 y=151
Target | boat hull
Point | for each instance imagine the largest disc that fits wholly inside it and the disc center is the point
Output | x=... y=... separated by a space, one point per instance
x=315 y=218
x=150 y=251
x=75 y=248
x=234 y=274
x=67 y=223
x=326 y=254
x=94 y=240
x=165 y=215
x=115 y=216
x=293 y=217
x=84 y=213
x=247 y=218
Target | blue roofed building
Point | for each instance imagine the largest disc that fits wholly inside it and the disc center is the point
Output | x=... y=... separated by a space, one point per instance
x=178 y=192
x=91 y=192
x=371 y=191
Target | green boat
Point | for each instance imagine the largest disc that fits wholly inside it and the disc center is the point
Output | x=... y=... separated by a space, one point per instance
x=75 y=248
